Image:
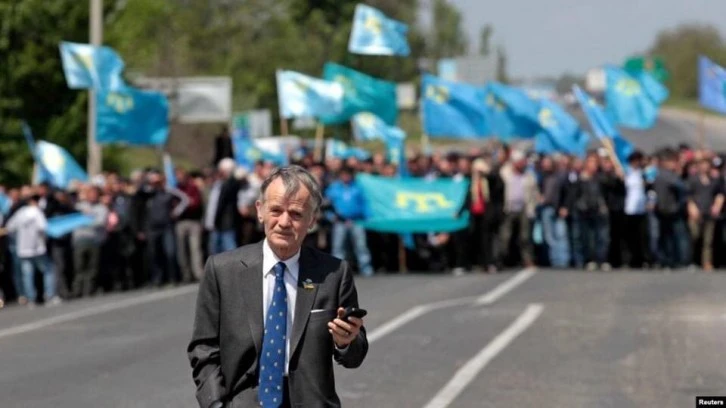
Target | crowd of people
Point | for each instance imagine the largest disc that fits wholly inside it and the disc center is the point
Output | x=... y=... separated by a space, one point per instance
x=659 y=211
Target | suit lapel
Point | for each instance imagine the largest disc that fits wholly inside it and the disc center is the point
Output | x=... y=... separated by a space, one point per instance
x=305 y=296
x=250 y=285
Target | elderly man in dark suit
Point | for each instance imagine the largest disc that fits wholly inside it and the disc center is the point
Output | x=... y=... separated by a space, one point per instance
x=268 y=317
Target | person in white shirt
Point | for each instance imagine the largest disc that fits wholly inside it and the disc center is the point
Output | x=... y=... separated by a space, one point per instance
x=635 y=213
x=29 y=225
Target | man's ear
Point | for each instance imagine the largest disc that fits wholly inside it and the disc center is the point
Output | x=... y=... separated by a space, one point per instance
x=258 y=206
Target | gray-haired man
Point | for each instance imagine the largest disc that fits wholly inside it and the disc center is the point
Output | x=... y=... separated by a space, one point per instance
x=268 y=321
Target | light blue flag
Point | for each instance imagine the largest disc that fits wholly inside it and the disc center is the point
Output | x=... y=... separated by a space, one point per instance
x=414 y=205
x=396 y=154
x=247 y=154
x=5 y=204
x=711 y=85
x=88 y=66
x=453 y=110
x=132 y=116
x=602 y=126
x=169 y=172
x=65 y=224
x=560 y=132
x=361 y=93
x=510 y=112
x=374 y=33
x=340 y=150
x=58 y=167
x=367 y=127
x=303 y=96
x=633 y=101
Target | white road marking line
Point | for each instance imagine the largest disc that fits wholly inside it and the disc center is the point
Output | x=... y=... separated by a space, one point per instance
x=469 y=371
x=95 y=310
x=504 y=288
x=417 y=311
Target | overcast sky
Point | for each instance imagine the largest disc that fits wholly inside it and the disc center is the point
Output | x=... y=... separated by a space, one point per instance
x=549 y=37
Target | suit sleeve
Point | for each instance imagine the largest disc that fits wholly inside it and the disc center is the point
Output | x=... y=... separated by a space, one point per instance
x=203 y=350
x=357 y=350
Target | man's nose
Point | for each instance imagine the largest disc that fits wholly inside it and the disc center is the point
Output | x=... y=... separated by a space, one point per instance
x=284 y=220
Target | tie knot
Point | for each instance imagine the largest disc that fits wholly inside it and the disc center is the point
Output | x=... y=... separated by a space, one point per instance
x=279 y=270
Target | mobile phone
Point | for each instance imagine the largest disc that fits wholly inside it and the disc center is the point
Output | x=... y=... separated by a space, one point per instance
x=353 y=312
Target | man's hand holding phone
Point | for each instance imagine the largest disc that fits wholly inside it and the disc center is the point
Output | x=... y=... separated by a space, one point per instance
x=346 y=326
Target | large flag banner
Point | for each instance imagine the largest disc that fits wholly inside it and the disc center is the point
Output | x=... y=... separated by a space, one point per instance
x=560 y=132
x=87 y=66
x=367 y=127
x=57 y=166
x=602 y=126
x=633 y=100
x=510 y=112
x=361 y=93
x=711 y=85
x=64 y=224
x=247 y=153
x=169 y=172
x=414 y=205
x=132 y=116
x=303 y=96
x=374 y=33
x=335 y=149
x=454 y=110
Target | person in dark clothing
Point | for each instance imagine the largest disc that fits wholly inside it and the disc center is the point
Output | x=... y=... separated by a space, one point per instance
x=61 y=250
x=160 y=213
x=189 y=230
x=485 y=184
x=613 y=189
x=554 y=226
x=705 y=201
x=222 y=216
x=670 y=205
x=590 y=233
x=120 y=239
x=222 y=147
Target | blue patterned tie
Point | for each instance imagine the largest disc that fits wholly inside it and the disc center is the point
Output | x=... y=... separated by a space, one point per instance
x=272 y=360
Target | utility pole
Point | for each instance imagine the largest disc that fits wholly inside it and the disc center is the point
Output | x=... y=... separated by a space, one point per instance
x=95 y=23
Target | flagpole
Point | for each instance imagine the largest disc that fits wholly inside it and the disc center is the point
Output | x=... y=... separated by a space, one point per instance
x=702 y=131
x=401 y=255
x=283 y=125
x=94 y=160
x=607 y=141
x=319 y=133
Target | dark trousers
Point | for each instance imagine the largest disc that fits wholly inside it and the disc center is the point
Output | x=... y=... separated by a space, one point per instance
x=519 y=222
x=636 y=241
x=62 y=257
x=86 y=258
x=162 y=255
x=673 y=241
x=481 y=241
x=618 y=230
x=590 y=236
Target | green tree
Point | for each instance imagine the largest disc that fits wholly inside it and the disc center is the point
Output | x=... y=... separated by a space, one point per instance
x=680 y=48
x=448 y=38
x=485 y=39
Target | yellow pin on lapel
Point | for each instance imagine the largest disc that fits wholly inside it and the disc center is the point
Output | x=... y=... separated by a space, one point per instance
x=308 y=284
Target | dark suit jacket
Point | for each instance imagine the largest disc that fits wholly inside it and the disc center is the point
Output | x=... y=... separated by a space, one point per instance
x=226 y=343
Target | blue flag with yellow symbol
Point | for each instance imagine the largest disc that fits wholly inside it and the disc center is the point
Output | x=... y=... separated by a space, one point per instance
x=414 y=205
x=132 y=116
x=339 y=150
x=303 y=96
x=64 y=224
x=361 y=93
x=87 y=66
x=374 y=33
x=367 y=126
x=602 y=126
x=559 y=132
x=5 y=203
x=57 y=166
x=510 y=112
x=247 y=153
x=633 y=100
x=711 y=85
x=452 y=109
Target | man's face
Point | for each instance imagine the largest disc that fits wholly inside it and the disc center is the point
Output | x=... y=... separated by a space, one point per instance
x=286 y=219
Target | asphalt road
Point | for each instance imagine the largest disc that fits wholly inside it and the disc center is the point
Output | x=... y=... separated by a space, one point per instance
x=535 y=339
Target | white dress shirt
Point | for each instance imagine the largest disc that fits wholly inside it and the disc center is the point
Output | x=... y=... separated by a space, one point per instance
x=292 y=271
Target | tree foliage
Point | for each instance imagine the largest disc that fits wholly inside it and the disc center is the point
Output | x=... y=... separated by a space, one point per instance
x=680 y=48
